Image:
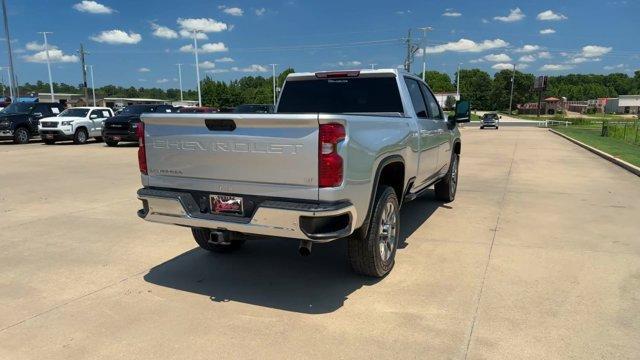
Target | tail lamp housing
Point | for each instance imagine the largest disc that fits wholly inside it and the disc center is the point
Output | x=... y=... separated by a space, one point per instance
x=142 y=152
x=330 y=164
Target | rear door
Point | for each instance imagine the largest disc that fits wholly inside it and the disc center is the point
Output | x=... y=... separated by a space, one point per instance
x=221 y=149
x=443 y=134
x=427 y=131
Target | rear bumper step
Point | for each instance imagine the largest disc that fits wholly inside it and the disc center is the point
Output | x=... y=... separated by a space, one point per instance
x=321 y=222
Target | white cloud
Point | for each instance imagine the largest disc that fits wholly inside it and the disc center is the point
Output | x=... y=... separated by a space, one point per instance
x=206 y=25
x=55 y=56
x=92 y=7
x=189 y=35
x=522 y=66
x=35 y=46
x=527 y=58
x=162 y=81
x=555 y=67
x=550 y=16
x=144 y=69
x=466 y=45
x=497 y=58
x=217 y=71
x=163 y=32
x=612 y=67
x=580 y=60
x=349 y=63
x=475 y=61
x=547 y=31
x=251 y=68
x=527 y=49
x=117 y=37
x=545 y=55
x=260 y=12
x=502 y=66
x=514 y=15
x=594 y=51
x=224 y=60
x=206 y=48
x=207 y=65
x=452 y=14
x=485 y=21
x=233 y=11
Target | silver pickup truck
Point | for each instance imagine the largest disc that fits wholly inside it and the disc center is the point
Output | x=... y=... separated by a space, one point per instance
x=337 y=159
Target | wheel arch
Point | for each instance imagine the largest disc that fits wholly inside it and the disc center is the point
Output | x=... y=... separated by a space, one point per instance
x=387 y=173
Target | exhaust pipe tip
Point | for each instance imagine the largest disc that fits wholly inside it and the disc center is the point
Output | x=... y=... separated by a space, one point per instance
x=305 y=248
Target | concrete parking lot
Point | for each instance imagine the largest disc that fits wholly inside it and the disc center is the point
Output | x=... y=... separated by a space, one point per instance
x=538 y=258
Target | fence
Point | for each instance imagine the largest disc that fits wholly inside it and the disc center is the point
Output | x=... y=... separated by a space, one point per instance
x=628 y=131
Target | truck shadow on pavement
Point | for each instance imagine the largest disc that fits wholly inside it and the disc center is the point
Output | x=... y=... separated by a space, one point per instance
x=269 y=272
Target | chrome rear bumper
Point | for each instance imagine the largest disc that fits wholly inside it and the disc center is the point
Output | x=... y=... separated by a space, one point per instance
x=271 y=217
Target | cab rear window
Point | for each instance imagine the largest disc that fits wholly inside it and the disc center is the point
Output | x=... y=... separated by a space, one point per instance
x=341 y=95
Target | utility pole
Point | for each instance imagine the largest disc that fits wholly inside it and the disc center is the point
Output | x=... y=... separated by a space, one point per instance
x=458 y=82
x=424 y=52
x=273 y=74
x=411 y=50
x=84 y=72
x=513 y=74
x=195 y=51
x=9 y=80
x=46 y=50
x=13 y=82
x=93 y=85
x=180 y=80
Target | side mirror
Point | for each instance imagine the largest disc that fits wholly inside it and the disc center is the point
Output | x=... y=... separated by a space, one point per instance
x=93 y=116
x=463 y=112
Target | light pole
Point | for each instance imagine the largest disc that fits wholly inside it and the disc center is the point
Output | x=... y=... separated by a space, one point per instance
x=373 y=66
x=93 y=85
x=195 y=51
x=273 y=74
x=512 y=81
x=9 y=79
x=424 y=51
x=458 y=81
x=180 y=80
x=12 y=76
x=46 y=50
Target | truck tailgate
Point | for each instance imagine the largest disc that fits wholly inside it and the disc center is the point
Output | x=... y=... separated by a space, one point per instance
x=239 y=148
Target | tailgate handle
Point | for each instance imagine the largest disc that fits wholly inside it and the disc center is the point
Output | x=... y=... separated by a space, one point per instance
x=220 y=124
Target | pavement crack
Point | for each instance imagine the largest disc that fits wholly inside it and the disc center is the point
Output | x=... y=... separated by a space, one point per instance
x=486 y=267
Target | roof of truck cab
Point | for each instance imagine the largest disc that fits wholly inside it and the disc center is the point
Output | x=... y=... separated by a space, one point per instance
x=363 y=73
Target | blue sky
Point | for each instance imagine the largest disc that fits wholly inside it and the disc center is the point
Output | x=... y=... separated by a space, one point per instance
x=137 y=43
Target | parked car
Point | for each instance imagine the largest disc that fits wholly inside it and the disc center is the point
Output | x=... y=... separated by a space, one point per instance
x=490 y=120
x=77 y=124
x=195 y=109
x=19 y=121
x=122 y=126
x=254 y=109
x=342 y=153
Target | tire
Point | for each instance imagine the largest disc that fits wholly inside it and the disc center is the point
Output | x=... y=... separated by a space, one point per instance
x=111 y=143
x=202 y=237
x=21 y=136
x=481 y=127
x=446 y=188
x=370 y=251
x=81 y=136
x=49 y=142
x=496 y=128
x=99 y=139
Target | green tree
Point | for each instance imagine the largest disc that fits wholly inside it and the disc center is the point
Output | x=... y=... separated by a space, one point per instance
x=475 y=86
x=439 y=82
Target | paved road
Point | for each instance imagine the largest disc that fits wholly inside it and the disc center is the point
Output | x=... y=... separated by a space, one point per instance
x=538 y=258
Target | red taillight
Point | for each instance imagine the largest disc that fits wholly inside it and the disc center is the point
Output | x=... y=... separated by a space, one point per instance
x=142 y=153
x=330 y=172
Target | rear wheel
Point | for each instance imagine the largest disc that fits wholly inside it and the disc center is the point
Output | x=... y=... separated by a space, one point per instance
x=111 y=143
x=81 y=136
x=372 y=249
x=446 y=188
x=21 y=136
x=204 y=240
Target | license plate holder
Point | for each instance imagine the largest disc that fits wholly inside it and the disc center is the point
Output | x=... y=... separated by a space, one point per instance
x=226 y=204
x=48 y=136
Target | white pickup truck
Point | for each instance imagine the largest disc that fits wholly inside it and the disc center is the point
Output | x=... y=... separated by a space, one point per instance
x=77 y=124
x=337 y=159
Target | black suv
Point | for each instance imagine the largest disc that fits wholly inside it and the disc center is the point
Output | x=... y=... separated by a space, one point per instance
x=19 y=121
x=123 y=126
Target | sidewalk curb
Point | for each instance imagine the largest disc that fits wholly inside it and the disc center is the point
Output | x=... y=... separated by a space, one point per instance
x=623 y=164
